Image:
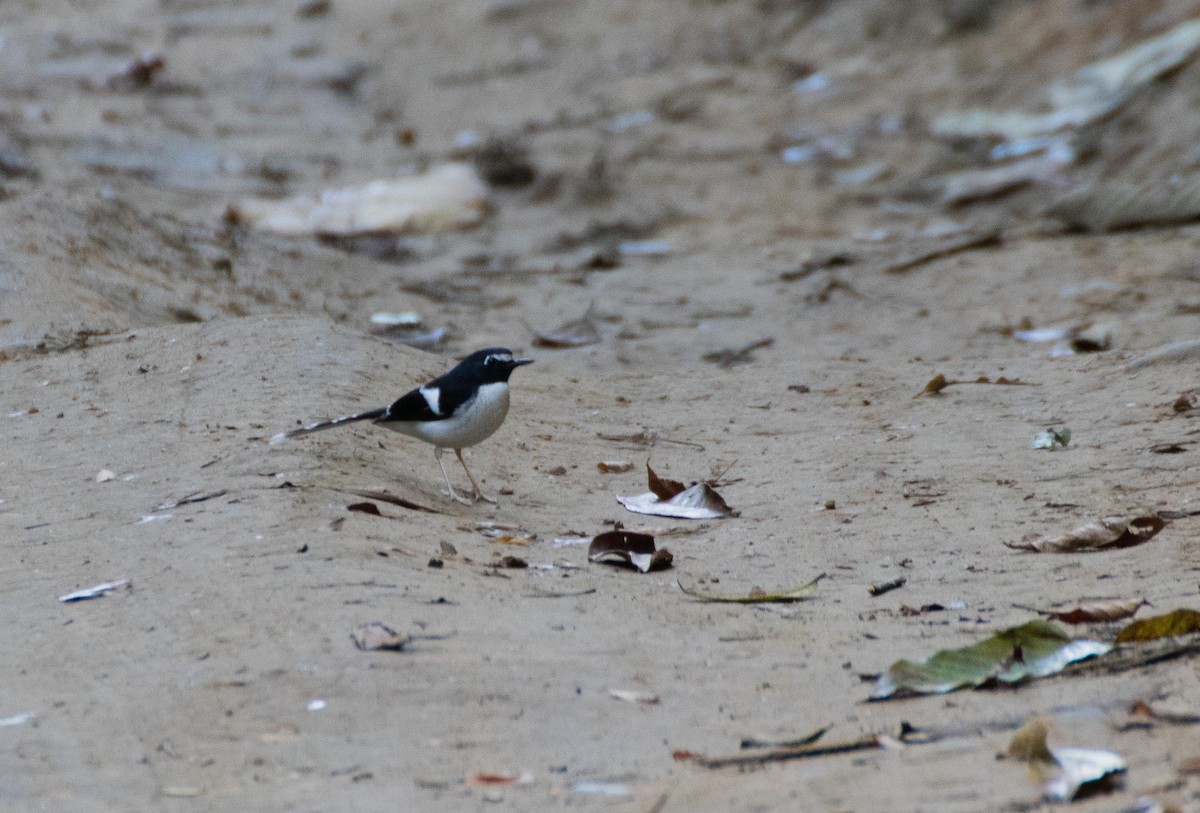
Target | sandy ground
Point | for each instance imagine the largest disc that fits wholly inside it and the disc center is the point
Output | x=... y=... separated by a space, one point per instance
x=144 y=335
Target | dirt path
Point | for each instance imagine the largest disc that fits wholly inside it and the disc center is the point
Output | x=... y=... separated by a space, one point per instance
x=708 y=177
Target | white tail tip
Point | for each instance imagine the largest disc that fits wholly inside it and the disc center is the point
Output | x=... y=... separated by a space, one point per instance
x=280 y=438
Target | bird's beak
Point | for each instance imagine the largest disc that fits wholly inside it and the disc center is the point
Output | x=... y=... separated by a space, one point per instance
x=521 y=362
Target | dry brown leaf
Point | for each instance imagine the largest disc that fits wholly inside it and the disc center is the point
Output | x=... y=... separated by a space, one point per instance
x=508 y=539
x=631 y=548
x=1110 y=533
x=1029 y=744
x=670 y=498
x=1183 y=621
x=1113 y=610
x=663 y=487
x=378 y=636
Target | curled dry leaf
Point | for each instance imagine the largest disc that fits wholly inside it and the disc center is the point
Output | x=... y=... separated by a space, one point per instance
x=575 y=333
x=1114 y=610
x=377 y=636
x=1110 y=533
x=1186 y=401
x=1169 y=625
x=663 y=487
x=1065 y=774
x=669 y=498
x=628 y=547
x=756 y=596
x=793 y=742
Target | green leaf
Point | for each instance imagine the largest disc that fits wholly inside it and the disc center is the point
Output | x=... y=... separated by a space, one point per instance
x=1179 y=622
x=1034 y=649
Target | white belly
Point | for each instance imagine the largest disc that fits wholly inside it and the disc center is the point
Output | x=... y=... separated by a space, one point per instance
x=482 y=417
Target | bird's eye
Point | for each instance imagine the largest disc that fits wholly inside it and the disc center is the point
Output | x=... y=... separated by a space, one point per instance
x=487 y=362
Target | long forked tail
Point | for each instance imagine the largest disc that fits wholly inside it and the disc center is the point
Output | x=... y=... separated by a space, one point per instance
x=373 y=415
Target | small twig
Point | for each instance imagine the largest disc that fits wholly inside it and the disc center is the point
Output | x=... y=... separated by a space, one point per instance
x=887 y=587
x=194 y=497
x=383 y=496
x=950 y=247
x=939 y=382
x=867 y=743
x=553 y=594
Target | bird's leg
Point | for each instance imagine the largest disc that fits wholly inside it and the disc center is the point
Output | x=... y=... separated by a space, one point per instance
x=479 y=495
x=437 y=453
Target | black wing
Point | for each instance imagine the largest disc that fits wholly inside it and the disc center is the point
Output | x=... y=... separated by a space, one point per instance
x=413 y=406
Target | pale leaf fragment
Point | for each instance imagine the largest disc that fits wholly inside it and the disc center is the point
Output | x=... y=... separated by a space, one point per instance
x=575 y=333
x=446 y=197
x=670 y=498
x=1110 y=533
x=758 y=596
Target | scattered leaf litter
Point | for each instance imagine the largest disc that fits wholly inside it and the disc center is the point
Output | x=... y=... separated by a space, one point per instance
x=1094 y=92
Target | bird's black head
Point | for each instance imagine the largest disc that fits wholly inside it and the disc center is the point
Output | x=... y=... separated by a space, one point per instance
x=493 y=363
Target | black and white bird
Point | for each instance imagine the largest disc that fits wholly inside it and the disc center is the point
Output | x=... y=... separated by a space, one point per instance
x=459 y=409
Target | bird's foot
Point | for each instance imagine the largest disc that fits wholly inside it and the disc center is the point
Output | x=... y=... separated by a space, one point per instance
x=454 y=495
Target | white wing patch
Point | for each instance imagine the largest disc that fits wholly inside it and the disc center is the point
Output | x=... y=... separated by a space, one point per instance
x=433 y=397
